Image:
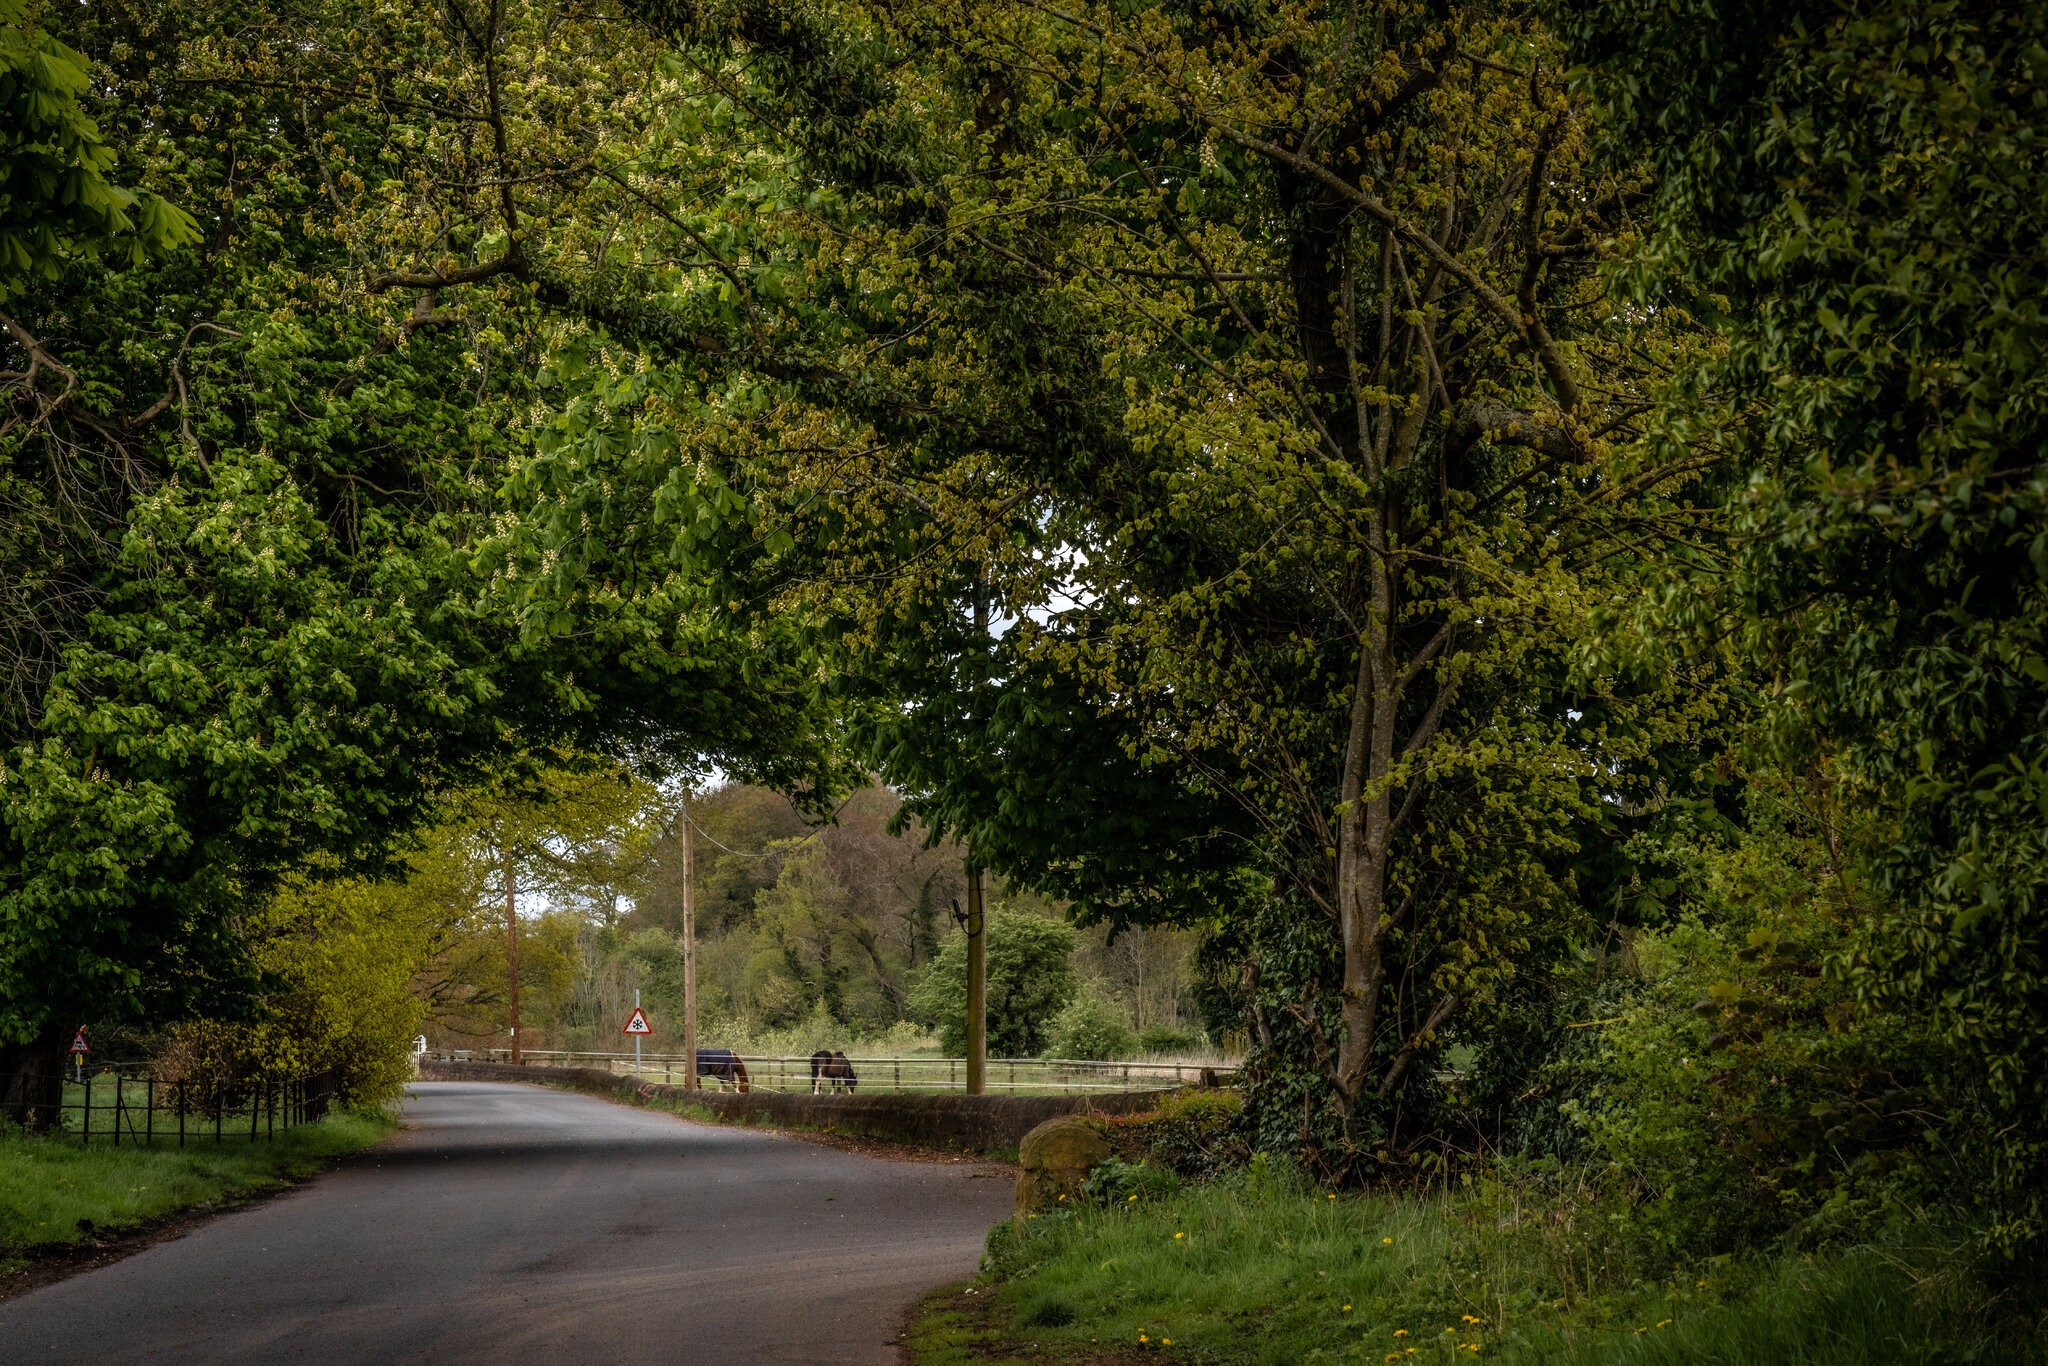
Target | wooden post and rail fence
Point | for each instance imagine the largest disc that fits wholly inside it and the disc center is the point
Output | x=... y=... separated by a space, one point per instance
x=792 y=1072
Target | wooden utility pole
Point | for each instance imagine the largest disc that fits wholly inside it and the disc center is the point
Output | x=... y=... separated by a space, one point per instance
x=512 y=949
x=689 y=950
x=977 y=987
x=977 y=922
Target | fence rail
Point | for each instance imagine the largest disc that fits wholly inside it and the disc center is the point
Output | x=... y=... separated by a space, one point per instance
x=792 y=1072
x=127 y=1104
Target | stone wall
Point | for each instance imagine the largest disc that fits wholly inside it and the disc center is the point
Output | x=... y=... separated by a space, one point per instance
x=993 y=1125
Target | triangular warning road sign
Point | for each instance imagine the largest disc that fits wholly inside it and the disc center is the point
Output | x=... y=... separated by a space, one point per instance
x=78 y=1041
x=638 y=1024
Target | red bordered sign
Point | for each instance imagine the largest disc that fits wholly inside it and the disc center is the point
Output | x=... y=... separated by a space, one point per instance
x=638 y=1024
x=78 y=1044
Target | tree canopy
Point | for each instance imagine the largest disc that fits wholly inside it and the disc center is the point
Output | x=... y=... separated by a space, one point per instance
x=1496 y=517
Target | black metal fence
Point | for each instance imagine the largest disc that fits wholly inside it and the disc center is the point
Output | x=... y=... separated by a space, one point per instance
x=126 y=1106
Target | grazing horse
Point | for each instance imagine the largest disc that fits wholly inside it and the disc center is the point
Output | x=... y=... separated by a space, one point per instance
x=831 y=1070
x=724 y=1065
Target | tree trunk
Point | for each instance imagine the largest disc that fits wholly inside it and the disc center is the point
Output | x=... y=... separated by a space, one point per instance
x=1364 y=834
x=32 y=1079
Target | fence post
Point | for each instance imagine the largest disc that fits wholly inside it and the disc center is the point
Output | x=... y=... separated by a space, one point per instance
x=149 y=1112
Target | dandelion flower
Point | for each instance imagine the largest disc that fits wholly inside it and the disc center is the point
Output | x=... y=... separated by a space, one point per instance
x=1180 y=1235
x=1701 y=1286
x=1468 y=1318
x=1331 y=1196
x=1134 y=1197
x=1388 y=1241
x=1143 y=1338
x=1347 y=1309
x=1166 y=1342
x=1400 y=1332
x=1664 y=1323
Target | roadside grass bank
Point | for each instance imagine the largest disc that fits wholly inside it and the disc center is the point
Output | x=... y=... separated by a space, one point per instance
x=1255 y=1269
x=55 y=1194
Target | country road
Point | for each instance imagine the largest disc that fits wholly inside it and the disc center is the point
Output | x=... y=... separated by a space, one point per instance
x=513 y=1224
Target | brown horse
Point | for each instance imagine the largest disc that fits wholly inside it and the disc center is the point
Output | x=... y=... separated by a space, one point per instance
x=831 y=1070
x=723 y=1065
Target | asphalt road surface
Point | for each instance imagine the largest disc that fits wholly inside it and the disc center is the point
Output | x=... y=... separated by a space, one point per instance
x=520 y=1226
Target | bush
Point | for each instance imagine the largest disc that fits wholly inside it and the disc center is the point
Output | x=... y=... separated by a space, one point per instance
x=1090 y=1027
x=1030 y=981
x=1159 y=1039
x=1742 y=1090
x=1194 y=1134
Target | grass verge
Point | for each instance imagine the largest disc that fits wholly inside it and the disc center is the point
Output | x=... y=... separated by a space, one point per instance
x=55 y=1194
x=1239 y=1273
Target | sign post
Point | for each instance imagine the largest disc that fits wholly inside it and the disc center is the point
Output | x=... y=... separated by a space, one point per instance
x=638 y=1028
x=78 y=1050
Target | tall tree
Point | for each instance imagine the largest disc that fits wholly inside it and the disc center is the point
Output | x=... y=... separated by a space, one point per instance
x=1253 y=364
x=274 y=453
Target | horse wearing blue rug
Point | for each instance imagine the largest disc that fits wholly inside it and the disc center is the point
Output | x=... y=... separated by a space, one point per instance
x=722 y=1064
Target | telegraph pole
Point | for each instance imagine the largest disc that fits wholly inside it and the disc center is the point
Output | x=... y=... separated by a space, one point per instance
x=512 y=948
x=689 y=949
x=977 y=922
x=977 y=987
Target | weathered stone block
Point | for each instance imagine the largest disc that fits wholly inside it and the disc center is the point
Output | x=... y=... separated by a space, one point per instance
x=1056 y=1158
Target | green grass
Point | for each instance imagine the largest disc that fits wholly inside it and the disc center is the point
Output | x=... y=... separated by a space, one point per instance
x=54 y=1192
x=1267 y=1273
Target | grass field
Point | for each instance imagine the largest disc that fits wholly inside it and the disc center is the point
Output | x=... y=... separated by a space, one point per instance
x=55 y=1192
x=1269 y=1276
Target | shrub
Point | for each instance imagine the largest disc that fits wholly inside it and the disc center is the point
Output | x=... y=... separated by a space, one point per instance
x=1158 y=1039
x=1090 y=1027
x=1193 y=1134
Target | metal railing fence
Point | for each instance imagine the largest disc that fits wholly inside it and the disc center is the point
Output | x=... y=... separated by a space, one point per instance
x=128 y=1104
x=792 y=1072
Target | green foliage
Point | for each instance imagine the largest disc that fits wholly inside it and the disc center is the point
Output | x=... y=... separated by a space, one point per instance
x=1160 y=1039
x=1857 y=186
x=1090 y=1027
x=254 y=612
x=1031 y=979
x=1192 y=1133
x=1117 y=1181
x=58 y=209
